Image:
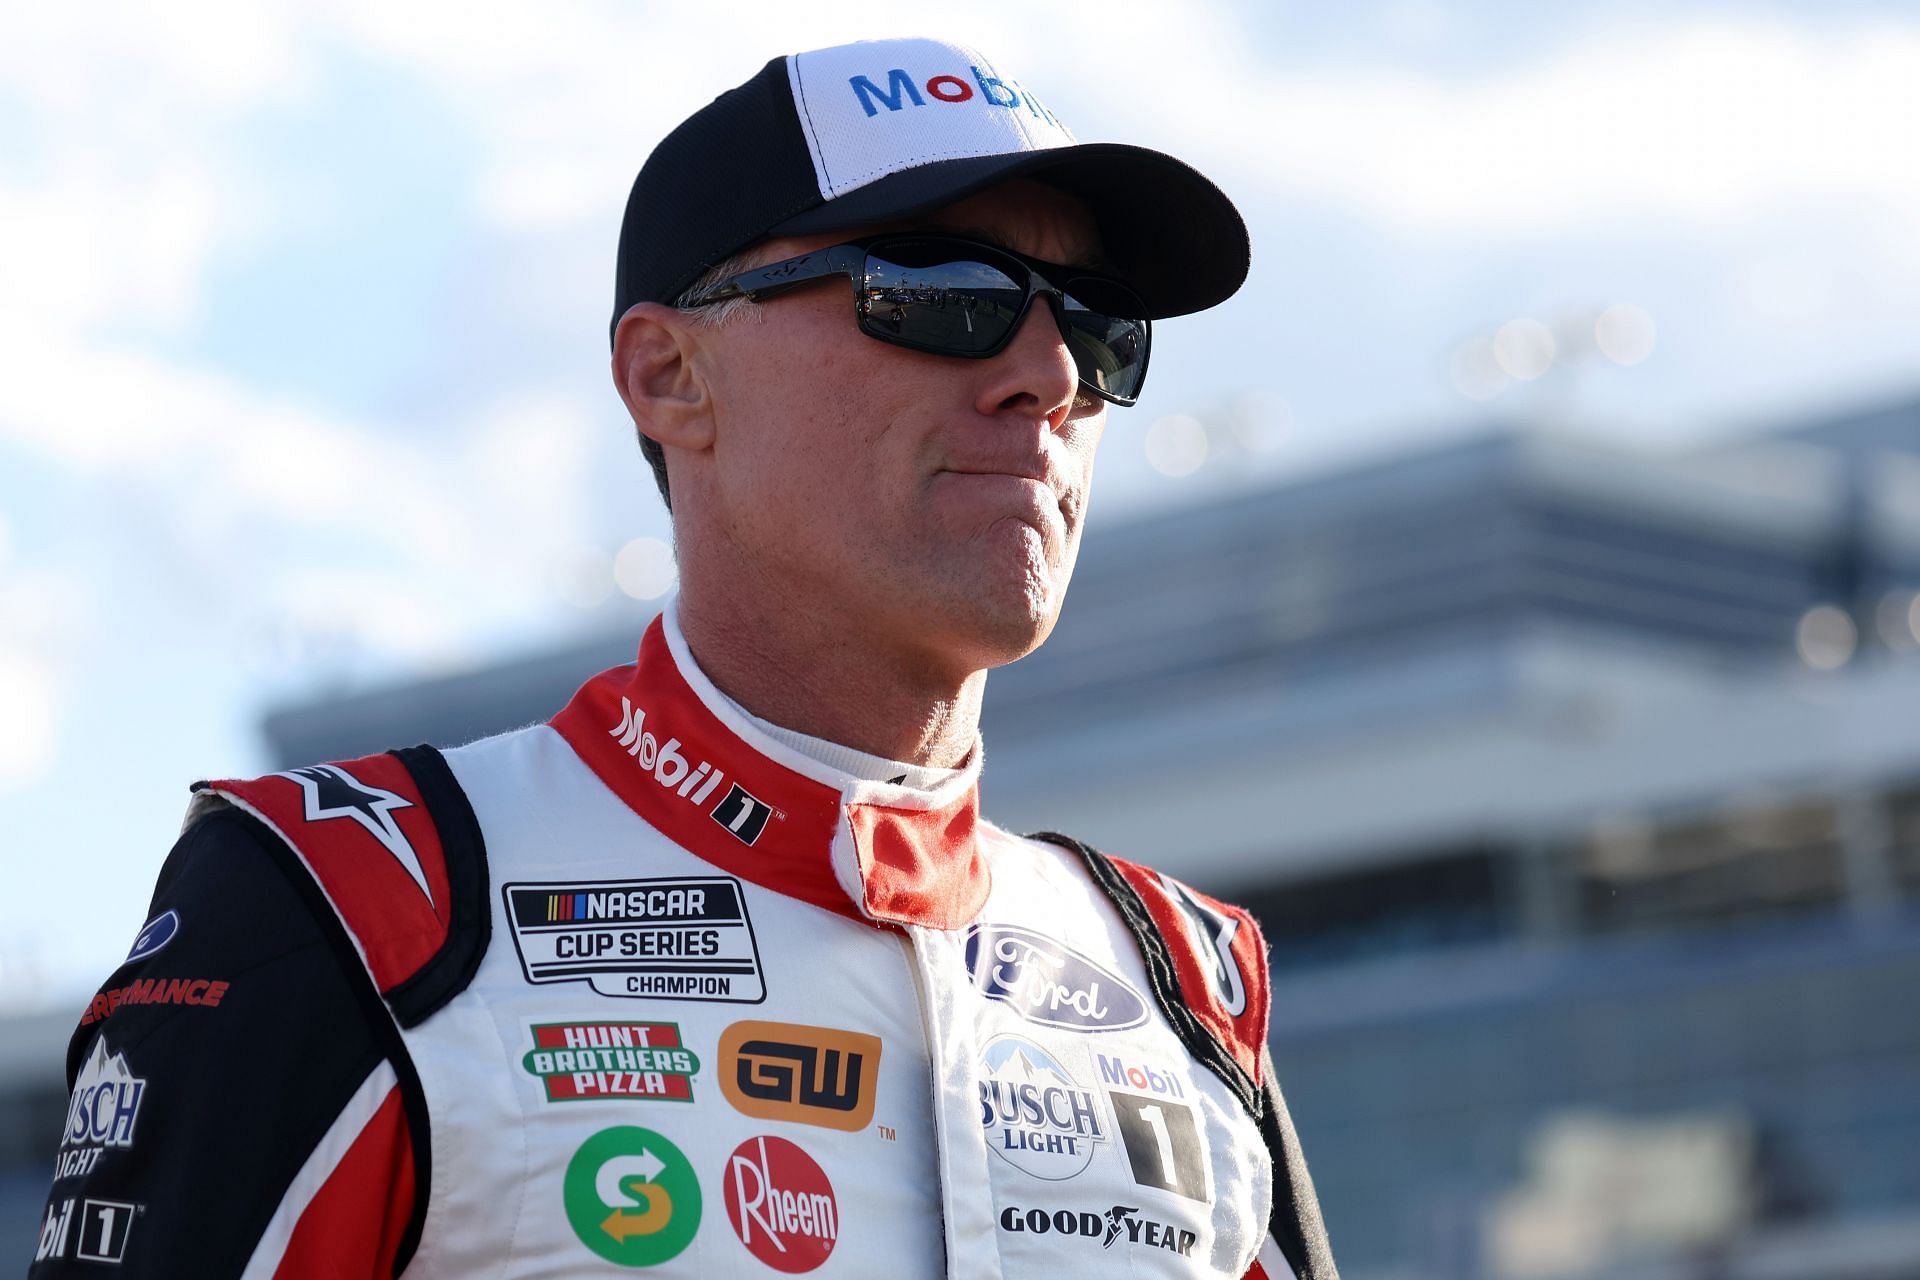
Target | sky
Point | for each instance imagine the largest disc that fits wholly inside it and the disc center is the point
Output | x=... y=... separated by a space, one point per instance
x=303 y=316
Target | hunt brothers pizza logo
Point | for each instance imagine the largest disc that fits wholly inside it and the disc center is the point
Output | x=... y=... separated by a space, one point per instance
x=583 y=1060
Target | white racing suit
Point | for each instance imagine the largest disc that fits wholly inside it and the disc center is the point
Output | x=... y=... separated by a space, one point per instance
x=642 y=988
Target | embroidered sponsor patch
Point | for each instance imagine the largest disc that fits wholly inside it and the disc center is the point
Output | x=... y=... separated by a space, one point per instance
x=874 y=108
x=1125 y=1072
x=781 y=1204
x=1163 y=1144
x=740 y=813
x=154 y=934
x=97 y=1230
x=1048 y=982
x=204 y=992
x=632 y=1197
x=1120 y=1225
x=809 y=1075
x=101 y=1113
x=1037 y=1117
x=579 y=1060
x=677 y=938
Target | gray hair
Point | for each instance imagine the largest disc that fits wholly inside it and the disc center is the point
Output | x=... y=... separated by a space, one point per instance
x=719 y=313
x=713 y=317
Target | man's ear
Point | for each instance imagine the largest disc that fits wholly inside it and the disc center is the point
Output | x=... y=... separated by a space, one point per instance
x=653 y=369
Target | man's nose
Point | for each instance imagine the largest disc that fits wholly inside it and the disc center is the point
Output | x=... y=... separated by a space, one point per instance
x=1035 y=369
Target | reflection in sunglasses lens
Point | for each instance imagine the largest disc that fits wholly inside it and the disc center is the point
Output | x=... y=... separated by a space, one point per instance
x=959 y=306
x=918 y=293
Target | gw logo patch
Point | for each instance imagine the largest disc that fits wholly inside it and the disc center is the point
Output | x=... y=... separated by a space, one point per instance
x=810 y=1075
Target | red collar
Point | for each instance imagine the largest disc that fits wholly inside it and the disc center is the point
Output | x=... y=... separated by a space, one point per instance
x=717 y=787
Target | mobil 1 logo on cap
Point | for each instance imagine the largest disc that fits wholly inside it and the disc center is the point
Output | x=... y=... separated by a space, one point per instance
x=671 y=938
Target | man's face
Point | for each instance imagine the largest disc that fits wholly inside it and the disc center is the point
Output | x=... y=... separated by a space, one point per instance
x=924 y=502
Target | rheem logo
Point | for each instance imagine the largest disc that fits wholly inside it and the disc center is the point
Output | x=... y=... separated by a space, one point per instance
x=781 y=1204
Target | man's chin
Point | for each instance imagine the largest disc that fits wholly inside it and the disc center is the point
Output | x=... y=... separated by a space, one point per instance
x=1003 y=619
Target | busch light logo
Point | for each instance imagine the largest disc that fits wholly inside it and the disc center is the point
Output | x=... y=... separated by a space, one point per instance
x=1037 y=1117
x=1049 y=982
x=105 y=1102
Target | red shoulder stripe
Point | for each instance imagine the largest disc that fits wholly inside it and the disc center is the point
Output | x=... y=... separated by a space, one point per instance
x=365 y=834
x=354 y=1224
x=1219 y=957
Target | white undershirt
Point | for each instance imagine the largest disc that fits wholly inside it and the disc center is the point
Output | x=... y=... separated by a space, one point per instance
x=847 y=759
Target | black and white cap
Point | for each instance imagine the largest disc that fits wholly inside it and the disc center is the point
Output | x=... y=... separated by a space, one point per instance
x=881 y=130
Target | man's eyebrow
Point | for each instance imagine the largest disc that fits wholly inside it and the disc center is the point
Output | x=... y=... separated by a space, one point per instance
x=1086 y=262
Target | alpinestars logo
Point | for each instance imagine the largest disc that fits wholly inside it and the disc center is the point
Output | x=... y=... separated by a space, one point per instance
x=739 y=812
x=331 y=792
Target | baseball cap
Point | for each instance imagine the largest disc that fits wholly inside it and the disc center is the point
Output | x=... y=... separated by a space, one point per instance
x=882 y=130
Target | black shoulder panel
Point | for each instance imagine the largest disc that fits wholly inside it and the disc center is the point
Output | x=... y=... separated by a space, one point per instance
x=225 y=1051
x=1296 y=1224
x=470 y=924
x=377 y=1014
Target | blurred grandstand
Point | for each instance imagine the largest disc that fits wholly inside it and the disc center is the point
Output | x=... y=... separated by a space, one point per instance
x=1578 y=790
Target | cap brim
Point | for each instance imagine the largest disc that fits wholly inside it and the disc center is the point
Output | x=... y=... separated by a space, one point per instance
x=1169 y=232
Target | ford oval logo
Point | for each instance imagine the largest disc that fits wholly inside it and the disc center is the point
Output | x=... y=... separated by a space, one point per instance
x=1049 y=982
x=155 y=934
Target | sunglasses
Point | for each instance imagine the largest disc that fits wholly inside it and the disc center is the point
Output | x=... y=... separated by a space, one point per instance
x=957 y=297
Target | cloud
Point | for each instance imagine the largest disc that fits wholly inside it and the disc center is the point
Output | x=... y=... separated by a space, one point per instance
x=1712 y=122
x=128 y=199
x=1706 y=118
x=43 y=615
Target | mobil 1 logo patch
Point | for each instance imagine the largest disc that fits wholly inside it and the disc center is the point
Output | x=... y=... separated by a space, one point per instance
x=672 y=938
x=1162 y=1141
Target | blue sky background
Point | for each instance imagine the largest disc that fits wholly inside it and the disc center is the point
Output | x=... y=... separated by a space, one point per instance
x=303 y=308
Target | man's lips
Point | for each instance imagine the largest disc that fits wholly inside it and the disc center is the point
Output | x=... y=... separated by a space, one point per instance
x=1035 y=485
x=1003 y=495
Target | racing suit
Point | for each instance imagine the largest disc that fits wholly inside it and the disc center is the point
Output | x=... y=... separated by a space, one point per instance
x=645 y=987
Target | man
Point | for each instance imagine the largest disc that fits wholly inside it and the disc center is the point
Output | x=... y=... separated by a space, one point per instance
x=720 y=970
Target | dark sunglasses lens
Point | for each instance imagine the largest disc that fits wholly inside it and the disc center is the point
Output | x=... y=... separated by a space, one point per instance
x=921 y=294
x=1107 y=336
